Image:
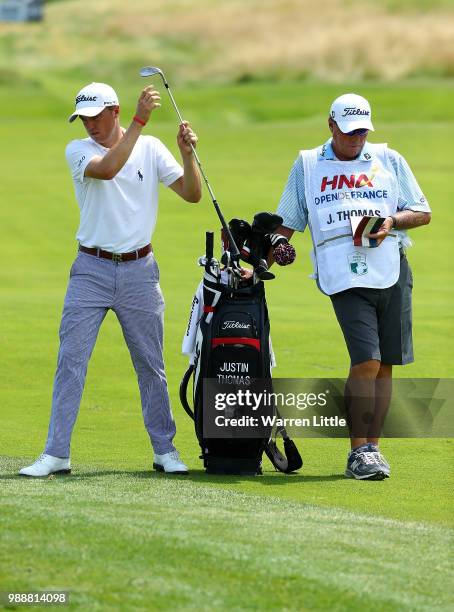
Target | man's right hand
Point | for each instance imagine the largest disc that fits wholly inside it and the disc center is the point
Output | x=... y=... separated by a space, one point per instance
x=148 y=101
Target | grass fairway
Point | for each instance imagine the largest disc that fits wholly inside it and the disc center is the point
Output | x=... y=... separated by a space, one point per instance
x=118 y=536
x=125 y=540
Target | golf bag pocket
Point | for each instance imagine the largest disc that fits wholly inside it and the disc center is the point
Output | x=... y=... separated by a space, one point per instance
x=235 y=348
x=235 y=324
x=235 y=363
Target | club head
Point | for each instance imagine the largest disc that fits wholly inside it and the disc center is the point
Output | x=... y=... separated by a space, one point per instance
x=148 y=71
x=225 y=259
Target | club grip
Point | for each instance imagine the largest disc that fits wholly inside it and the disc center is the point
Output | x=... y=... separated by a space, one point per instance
x=209 y=245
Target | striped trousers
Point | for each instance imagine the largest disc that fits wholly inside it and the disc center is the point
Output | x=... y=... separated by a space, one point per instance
x=131 y=289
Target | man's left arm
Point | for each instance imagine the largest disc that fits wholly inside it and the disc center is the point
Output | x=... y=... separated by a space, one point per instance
x=413 y=209
x=189 y=185
x=407 y=219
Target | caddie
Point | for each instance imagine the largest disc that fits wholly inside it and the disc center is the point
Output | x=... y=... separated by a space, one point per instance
x=364 y=271
x=116 y=173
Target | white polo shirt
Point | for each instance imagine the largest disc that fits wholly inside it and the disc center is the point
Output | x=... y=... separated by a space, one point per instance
x=119 y=215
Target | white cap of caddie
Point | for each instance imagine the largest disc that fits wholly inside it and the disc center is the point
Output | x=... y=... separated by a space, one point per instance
x=351 y=112
x=93 y=99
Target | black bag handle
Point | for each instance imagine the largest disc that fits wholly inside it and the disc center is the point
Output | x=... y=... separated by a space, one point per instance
x=183 y=391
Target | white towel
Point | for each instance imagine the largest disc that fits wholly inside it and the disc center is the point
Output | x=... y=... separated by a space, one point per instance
x=188 y=345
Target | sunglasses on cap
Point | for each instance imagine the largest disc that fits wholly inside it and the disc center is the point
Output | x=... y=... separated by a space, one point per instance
x=360 y=132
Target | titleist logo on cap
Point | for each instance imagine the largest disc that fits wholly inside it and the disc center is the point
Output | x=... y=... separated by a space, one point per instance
x=351 y=110
x=84 y=98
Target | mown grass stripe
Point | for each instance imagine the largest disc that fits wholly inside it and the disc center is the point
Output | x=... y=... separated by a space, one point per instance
x=195 y=531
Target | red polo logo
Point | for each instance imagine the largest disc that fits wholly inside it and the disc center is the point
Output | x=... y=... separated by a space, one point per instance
x=340 y=180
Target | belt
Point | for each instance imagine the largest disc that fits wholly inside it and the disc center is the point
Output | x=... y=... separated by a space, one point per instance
x=117 y=257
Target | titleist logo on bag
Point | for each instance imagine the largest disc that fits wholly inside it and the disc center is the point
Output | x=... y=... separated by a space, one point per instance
x=235 y=325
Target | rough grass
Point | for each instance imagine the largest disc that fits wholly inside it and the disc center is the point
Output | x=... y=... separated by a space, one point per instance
x=226 y=40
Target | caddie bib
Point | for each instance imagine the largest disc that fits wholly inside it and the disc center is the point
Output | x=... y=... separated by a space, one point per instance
x=337 y=190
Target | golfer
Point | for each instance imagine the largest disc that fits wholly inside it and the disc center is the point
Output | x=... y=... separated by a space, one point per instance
x=328 y=189
x=116 y=174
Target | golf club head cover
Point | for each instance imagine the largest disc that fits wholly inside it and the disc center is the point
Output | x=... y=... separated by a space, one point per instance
x=261 y=269
x=255 y=249
x=283 y=252
x=240 y=230
x=265 y=222
x=254 y=242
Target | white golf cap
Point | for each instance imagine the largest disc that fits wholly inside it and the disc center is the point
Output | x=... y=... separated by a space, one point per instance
x=351 y=112
x=92 y=99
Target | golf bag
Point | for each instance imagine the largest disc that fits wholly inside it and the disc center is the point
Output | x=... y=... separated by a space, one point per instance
x=232 y=347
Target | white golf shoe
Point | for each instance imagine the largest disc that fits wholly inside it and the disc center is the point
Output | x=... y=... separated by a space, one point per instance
x=170 y=463
x=45 y=465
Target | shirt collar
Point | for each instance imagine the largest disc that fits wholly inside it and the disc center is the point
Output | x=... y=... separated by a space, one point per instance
x=326 y=152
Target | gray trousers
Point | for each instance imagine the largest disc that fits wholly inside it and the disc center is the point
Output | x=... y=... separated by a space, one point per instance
x=131 y=289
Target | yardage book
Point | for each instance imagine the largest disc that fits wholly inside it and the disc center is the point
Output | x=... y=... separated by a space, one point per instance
x=361 y=226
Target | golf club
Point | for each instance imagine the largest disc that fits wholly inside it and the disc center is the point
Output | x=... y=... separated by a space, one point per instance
x=149 y=71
